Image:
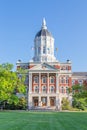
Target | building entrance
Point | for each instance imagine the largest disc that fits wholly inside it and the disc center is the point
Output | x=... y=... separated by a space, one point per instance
x=44 y=101
x=52 y=101
x=35 y=101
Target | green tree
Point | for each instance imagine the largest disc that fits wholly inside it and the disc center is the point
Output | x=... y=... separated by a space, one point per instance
x=79 y=97
x=10 y=84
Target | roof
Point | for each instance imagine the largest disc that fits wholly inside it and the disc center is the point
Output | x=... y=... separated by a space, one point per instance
x=79 y=74
x=43 y=32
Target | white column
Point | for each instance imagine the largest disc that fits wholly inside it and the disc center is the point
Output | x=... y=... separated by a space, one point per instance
x=40 y=101
x=30 y=82
x=47 y=82
x=57 y=85
x=48 y=101
x=39 y=82
x=28 y=97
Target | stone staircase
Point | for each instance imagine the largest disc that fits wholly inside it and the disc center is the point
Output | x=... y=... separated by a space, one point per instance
x=45 y=108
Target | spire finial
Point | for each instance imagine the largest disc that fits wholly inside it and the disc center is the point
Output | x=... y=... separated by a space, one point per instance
x=44 y=24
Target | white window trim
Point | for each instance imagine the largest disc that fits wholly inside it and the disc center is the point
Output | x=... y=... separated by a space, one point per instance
x=67 y=80
x=51 y=89
x=37 y=78
x=62 y=89
x=62 y=79
x=45 y=79
x=45 y=89
x=51 y=77
x=35 y=89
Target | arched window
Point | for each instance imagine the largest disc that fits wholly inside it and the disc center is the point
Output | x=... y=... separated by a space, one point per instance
x=62 y=79
x=44 y=89
x=51 y=79
x=52 y=89
x=43 y=79
x=36 y=89
x=36 y=79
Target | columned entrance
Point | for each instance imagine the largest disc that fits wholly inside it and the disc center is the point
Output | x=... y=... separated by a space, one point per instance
x=52 y=101
x=35 y=101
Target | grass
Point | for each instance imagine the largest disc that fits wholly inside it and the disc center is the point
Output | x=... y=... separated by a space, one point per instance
x=21 y=120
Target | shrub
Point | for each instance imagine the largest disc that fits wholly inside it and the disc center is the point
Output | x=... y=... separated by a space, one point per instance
x=79 y=103
x=65 y=104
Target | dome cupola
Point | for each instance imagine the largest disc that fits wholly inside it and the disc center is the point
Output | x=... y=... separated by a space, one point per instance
x=44 y=45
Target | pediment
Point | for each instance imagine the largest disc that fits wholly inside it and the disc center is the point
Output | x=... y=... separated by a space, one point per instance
x=44 y=66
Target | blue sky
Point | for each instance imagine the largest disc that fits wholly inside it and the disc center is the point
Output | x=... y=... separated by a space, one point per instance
x=20 y=20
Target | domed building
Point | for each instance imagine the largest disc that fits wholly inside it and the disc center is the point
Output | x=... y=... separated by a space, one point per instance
x=47 y=79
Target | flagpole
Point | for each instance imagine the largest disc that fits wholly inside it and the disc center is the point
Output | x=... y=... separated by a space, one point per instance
x=56 y=52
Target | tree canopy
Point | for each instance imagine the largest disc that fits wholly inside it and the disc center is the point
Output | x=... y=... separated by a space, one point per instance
x=10 y=84
x=79 y=96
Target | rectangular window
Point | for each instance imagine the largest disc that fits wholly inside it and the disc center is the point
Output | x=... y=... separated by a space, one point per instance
x=43 y=79
x=44 y=89
x=44 y=50
x=52 y=89
x=35 y=79
x=48 y=50
x=51 y=79
x=36 y=89
x=39 y=50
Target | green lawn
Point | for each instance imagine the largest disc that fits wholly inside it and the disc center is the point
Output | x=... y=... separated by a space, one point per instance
x=21 y=120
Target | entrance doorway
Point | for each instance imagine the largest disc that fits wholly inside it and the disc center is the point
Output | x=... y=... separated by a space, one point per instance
x=35 y=101
x=52 y=101
x=44 y=101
